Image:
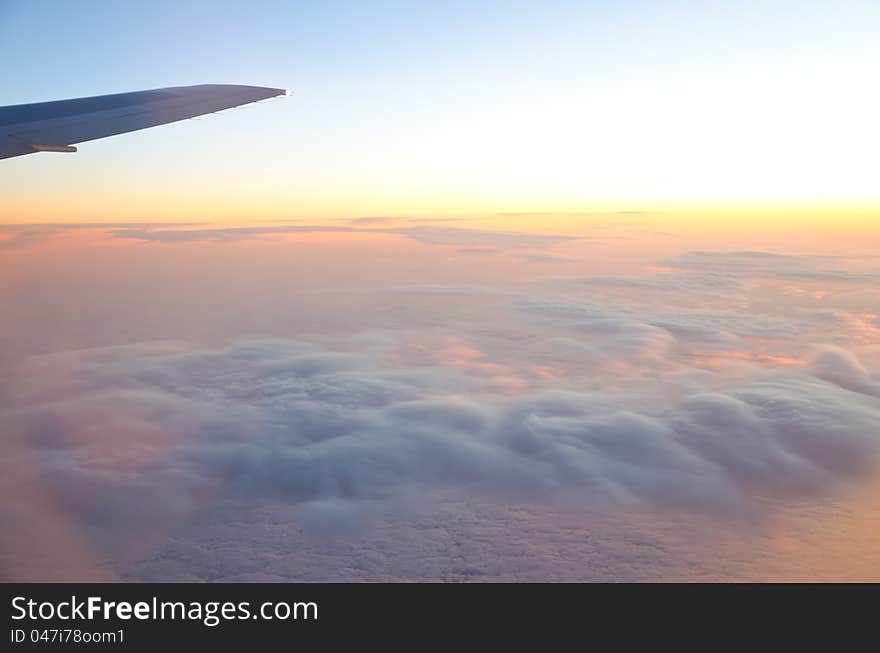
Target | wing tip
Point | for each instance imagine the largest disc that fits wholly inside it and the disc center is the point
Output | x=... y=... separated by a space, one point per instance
x=259 y=92
x=264 y=92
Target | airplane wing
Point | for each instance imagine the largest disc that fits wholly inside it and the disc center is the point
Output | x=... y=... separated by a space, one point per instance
x=56 y=126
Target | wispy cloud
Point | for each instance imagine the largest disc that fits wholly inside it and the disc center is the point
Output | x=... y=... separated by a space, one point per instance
x=772 y=265
x=431 y=235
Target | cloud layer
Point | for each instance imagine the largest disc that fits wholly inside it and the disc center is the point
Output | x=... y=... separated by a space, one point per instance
x=447 y=385
x=147 y=432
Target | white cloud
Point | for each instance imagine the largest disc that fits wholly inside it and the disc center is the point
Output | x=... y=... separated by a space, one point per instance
x=147 y=433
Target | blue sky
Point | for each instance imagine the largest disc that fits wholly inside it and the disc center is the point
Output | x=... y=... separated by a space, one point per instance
x=95 y=46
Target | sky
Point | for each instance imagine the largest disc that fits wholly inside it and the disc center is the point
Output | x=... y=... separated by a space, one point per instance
x=459 y=108
x=502 y=292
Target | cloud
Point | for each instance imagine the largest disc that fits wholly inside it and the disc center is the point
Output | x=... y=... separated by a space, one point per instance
x=692 y=391
x=373 y=220
x=390 y=220
x=708 y=326
x=704 y=282
x=842 y=368
x=224 y=234
x=429 y=235
x=480 y=291
x=548 y=257
x=25 y=235
x=148 y=432
x=789 y=433
x=630 y=340
x=25 y=238
x=773 y=265
x=40 y=226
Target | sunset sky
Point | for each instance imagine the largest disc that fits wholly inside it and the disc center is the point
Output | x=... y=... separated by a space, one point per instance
x=511 y=291
x=403 y=108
